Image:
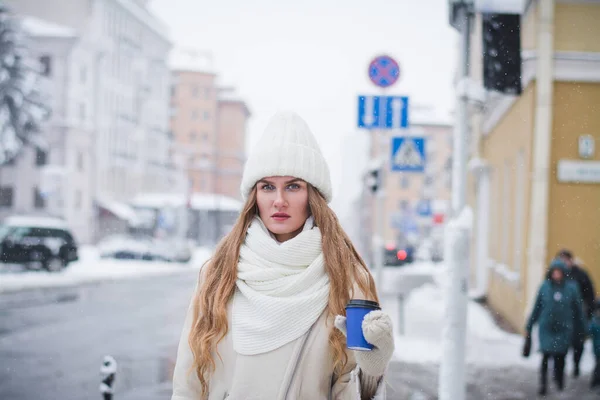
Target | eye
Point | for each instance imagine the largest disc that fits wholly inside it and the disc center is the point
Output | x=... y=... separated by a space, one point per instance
x=267 y=186
x=294 y=186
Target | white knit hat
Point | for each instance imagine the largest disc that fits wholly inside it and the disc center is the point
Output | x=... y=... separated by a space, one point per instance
x=287 y=148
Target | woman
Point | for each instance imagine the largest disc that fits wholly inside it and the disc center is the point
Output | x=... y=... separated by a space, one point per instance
x=559 y=313
x=261 y=324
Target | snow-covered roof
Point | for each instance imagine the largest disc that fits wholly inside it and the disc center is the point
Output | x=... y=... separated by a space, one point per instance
x=121 y=210
x=38 y=27
x=200 y=201
x=229 y=94
x=34 y=221
x=191 y=60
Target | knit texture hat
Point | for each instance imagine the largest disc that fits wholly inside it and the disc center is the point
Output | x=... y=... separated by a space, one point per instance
x=287 y=148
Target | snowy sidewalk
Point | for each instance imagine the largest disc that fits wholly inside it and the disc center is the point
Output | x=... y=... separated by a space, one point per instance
x=496 y=370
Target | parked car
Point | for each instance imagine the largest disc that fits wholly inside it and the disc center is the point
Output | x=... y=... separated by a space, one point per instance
x=37 y=242
x=146 y=248
x=397 y=256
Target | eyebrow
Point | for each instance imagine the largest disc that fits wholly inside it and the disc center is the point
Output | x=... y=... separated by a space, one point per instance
x=287 y=182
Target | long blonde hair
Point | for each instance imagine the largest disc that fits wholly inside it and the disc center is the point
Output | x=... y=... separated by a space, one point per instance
x=343 y=264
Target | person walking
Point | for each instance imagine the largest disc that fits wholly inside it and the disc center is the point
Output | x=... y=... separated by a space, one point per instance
x=557 y=310
x=594 y=331
x=267 y=320
x=588 y=294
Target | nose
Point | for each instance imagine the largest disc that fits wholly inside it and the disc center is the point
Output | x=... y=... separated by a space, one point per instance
x=280 y=200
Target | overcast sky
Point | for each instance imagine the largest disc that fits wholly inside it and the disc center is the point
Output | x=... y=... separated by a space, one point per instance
x=311 y=56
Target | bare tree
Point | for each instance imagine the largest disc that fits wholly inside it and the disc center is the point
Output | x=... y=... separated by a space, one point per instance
x=22 y=107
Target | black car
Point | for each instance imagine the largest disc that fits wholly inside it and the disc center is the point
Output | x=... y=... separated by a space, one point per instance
x=396 y=257
x=37 y=242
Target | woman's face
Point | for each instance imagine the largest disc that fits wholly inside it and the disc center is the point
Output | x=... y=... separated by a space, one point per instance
x=557 y=275
x=282 y=205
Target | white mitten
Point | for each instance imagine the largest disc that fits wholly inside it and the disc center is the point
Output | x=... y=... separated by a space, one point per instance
x=378 y=331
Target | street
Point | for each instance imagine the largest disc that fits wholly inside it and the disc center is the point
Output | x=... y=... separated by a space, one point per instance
x=54 y=350
x=52 y=342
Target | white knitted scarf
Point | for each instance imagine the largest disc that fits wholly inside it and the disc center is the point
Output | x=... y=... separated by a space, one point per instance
x=282 y=288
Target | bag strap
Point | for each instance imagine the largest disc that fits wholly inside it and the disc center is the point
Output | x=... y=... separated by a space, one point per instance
x=297 y=359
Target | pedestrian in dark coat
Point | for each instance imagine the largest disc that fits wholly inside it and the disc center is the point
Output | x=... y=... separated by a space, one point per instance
x=595 y=334
x=558 y=305
x=588 y=294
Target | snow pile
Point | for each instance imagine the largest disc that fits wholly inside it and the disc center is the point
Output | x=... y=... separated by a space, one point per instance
x=487 y=344
x=91 y=268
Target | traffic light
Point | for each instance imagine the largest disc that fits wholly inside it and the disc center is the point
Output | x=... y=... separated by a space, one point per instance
x=502 y=53
x=373 y=180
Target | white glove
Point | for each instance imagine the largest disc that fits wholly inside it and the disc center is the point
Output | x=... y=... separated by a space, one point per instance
x=378 y=331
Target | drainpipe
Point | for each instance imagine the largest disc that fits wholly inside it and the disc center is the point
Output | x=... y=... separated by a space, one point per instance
x=542 y=136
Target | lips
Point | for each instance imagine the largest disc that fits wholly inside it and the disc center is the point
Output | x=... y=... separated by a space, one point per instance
x=280 y=216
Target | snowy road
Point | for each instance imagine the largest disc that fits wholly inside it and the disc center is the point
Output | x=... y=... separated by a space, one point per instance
x=52 y=341
x=53 y=351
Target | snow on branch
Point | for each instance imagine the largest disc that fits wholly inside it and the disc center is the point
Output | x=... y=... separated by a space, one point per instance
x=22 y=107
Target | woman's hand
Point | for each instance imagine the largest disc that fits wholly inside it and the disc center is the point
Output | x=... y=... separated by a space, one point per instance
x=378 y=331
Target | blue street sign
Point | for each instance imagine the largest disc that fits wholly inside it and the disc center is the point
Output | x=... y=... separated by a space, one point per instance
x=382 y=112
x=408 y=154
x=408 y=225
x=424 y=208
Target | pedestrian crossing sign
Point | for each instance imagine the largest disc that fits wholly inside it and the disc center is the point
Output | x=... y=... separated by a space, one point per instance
x=408 y=154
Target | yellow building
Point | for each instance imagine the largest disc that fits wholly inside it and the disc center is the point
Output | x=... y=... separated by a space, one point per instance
x=534 y=188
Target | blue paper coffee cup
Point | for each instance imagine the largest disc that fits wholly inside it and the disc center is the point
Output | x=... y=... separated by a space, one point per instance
x=356 y=310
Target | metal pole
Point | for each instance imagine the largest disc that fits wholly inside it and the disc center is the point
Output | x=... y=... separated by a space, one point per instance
x=452 y=367
x=379 y=212
x=401 y=329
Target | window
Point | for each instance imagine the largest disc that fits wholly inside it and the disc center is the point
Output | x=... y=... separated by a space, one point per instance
x=6 y=196
x=78 y=199
x=404 y=182
x=80 y=161
x=194 y=115
x=207 y=93
x=82 y=111
x=38 y=199
x=193 y=136
x=403 y=205
x=195 y=91
x=41 y=158
x=206 y=115
x=46 y=65
x=173 y=90
x=205 y=137
x=83 y=74
x=428 y=180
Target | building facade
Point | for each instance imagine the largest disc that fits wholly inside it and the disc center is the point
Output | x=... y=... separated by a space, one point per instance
x=208 y=123
x=534 y=188
x=408 y=193
x=109 y=82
